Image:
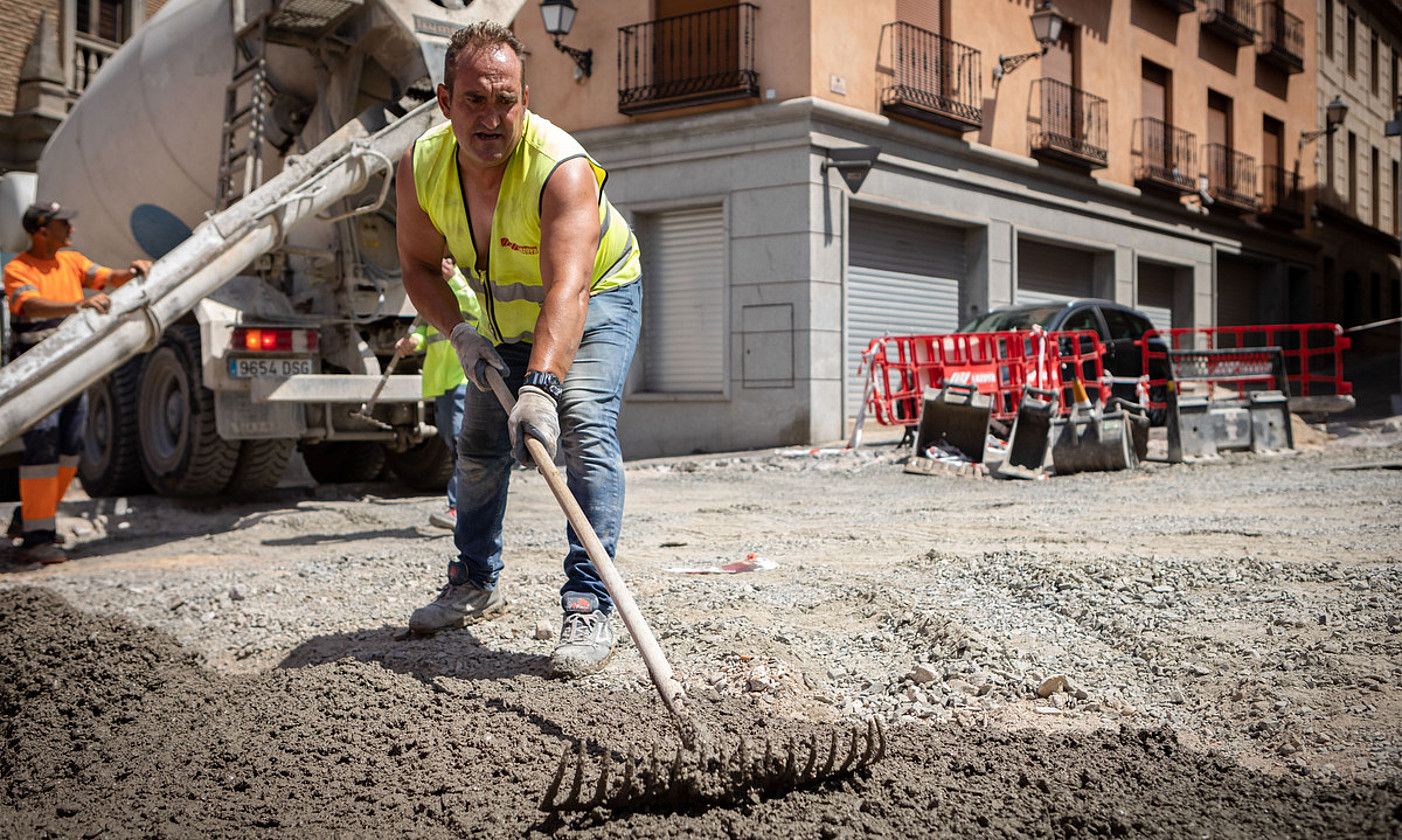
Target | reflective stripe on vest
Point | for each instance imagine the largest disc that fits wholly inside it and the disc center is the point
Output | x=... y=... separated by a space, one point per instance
x=511 y=290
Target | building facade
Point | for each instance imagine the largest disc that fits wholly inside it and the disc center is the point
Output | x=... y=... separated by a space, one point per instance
x=1148 y=157
x=49 y=50
x=1356 y=218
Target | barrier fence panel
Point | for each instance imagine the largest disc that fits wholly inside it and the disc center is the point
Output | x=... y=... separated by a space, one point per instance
x=999 y=364
x=1314 y=355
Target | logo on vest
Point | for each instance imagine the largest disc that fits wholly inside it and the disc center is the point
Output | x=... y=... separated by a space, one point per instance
x=529 y=250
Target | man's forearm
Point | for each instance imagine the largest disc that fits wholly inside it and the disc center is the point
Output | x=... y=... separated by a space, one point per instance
x=559 y=329
x=43 y=308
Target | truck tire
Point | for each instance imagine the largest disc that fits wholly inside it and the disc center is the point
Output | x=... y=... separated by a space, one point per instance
x=427 y=466
x=111 y=462
x=260 y=466
x=181 y=451
x=344 y=461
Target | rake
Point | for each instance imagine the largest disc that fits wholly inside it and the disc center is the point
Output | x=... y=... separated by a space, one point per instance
x=703 y=769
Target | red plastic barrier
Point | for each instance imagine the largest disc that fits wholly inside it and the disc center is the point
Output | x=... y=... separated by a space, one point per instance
x=1314 y=354
x=999 y=364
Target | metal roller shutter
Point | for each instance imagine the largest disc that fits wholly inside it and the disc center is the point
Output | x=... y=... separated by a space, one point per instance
x=902 y=279
x=1238 y=292
x=1050 y=273
x=1155 y=294
x=683 y=337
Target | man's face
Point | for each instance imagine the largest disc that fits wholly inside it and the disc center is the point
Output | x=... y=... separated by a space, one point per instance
x=57 y=232
x=487 y=104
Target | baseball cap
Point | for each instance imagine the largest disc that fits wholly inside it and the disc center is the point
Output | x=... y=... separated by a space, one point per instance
x=41 y=213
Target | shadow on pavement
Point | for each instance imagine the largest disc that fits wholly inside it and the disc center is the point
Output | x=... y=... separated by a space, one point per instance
x=453 y=653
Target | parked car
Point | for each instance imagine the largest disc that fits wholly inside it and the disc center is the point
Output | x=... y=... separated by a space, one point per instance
x=1120 y=329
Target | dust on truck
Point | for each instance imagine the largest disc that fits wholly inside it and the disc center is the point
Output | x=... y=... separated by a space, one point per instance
x=209 y=101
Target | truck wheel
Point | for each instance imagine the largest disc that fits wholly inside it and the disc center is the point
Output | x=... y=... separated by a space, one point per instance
x=181 y=451
x=344 y=460
x=260 y=466
x=111 y=462
x=427 y=466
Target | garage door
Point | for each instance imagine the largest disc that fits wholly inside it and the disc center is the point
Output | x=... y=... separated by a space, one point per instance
x=1050 y=273
x=1238 y=292
x=1155 y=294
x=903 y=279
x=683 y=340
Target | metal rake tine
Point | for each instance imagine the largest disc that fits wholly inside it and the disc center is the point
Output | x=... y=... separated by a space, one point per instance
x=768 y=759
x=673 y=772
x=573 y=798
x=625 y=791
x=549 y=800
x=654 y=770
x=602 y=787
x=852 y=745
x=807 y=773
x=744 y=761
x=867 y=757
x=789 y=763
x=832 y=755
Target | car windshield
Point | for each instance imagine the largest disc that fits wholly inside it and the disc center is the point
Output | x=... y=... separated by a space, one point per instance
x=1015 y=319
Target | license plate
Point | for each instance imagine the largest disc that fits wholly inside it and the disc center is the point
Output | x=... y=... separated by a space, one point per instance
x=259 y=368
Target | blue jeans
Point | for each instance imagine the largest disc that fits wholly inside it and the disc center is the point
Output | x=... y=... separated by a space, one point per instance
x=588 y=437
x=447 y=414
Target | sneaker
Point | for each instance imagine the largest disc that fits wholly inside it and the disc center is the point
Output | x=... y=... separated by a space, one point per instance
x=586 y=637
x=48 y=554
x=456 y=605
x=16 y=529
x=447 y=519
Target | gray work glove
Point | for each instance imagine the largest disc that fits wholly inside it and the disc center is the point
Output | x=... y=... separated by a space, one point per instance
x=475 y=354
x=535 y=415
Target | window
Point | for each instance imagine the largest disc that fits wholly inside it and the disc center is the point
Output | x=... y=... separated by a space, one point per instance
x=1373 y=60
x=1351 y=48
x=1123 y=326
x=1396 y=211
x=683 y=340
x=106 y=19
x=1353 y=172
x=1082 y=319
x=1329 y=29
x=1374 y=197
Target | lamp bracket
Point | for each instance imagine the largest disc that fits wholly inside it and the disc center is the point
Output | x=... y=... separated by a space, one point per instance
x=583 y=59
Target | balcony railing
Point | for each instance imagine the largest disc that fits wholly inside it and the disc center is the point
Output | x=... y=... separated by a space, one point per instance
x=89 y=54
x=1179 y=6
x=690 y=59
x=1231 y=177
x=1281 y=198
x=931 y=77
x=1282 y=36
x=1067 y=124
x=1167 y=156
x=1231 y=19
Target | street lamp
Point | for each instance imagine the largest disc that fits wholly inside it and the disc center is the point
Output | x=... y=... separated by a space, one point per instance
x=852 y=163
x=1334 y=115
x=558 y=16
x=1046 y=28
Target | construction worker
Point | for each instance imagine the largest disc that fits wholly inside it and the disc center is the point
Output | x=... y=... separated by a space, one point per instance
x=46 y=284
x=443 y=380
x=521 y=206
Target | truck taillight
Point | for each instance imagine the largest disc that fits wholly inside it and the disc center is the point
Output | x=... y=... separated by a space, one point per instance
x=274 y=340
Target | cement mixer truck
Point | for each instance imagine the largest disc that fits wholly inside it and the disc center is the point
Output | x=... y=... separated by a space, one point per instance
x=248 y=147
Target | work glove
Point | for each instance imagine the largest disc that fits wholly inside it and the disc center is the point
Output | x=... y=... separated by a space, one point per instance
x=476 y=354
x=537 y=416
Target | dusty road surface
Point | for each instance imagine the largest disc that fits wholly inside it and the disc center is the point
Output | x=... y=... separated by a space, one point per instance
x=1219 y=646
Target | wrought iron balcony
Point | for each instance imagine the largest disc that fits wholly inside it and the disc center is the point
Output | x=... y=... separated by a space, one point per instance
x=690 y=59
x=1231 y=177
x=1167 y=156
x=1281 y=198
x=931 y=78
x=1179 y=6
x=1282 y=37
x=1067 y=124
x=1230 y=19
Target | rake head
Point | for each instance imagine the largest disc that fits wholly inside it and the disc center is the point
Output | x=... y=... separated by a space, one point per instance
x=708 y=773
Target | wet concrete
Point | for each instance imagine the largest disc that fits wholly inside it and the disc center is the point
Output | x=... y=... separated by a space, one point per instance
x=113 y=729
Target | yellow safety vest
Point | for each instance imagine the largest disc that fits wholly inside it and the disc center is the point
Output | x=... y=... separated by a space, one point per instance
x=510 y=289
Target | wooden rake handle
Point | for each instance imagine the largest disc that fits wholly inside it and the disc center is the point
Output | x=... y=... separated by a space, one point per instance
x=657 y=667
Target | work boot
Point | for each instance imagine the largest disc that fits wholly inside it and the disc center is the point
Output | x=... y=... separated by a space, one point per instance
x=446 y=519
x=457 y=604
x=16 y=529
x=586 y=637
x=48 y=554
